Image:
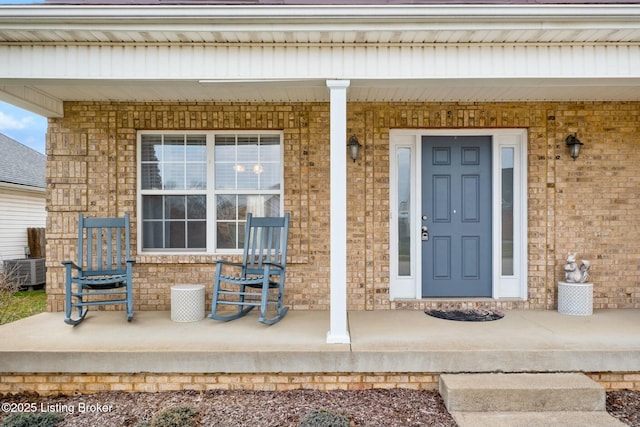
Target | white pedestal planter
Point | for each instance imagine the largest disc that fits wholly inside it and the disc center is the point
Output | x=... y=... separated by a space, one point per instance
x=575 y=298
x=187 y=303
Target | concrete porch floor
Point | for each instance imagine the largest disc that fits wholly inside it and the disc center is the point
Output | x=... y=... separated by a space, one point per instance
x=381 y=341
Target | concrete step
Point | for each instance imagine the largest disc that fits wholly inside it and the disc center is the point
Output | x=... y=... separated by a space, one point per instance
x=554 y=392
x=536 y=419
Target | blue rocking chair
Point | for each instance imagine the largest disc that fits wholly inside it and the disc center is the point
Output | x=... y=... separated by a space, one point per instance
x=259 y=280
x=103 y=273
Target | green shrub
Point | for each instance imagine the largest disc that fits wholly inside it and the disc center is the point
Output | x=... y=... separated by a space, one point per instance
x=180 y=416
x=324 y=418
x=46 y=419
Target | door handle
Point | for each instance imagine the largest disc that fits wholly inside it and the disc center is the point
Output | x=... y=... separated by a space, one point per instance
x=424 y=235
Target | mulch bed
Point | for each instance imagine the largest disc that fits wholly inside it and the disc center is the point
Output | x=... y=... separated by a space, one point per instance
x=625 y=406
x=388 y=408
x=395 y=407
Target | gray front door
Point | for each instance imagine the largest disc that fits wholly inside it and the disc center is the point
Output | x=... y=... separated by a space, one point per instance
x=456 y=216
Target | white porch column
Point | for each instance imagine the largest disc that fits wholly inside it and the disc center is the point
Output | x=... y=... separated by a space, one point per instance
x=338 y=328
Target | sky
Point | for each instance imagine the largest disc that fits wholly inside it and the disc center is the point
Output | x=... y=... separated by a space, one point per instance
x=23 y=126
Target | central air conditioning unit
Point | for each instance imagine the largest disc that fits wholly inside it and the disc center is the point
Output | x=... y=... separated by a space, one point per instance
x=30 y=272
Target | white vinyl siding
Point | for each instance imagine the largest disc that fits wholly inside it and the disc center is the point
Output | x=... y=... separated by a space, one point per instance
x=19 y=210
x=315 y=61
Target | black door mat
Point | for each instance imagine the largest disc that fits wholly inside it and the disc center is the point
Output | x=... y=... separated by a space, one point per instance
x=475 y=315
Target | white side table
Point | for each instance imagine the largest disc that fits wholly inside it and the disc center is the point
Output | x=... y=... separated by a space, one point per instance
x=187 y=303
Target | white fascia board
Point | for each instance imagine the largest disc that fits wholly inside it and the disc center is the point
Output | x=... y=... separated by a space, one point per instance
x=315 y=17
x=207 y=13
x=33 y=100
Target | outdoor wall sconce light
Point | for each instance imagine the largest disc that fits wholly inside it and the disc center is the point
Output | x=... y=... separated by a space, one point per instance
x=574 y=145
x=354 y=147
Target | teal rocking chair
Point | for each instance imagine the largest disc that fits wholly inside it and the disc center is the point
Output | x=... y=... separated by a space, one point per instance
x=103 y=273
x=259 y=280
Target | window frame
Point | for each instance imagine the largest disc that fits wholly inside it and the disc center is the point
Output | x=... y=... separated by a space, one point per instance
x=210 y=191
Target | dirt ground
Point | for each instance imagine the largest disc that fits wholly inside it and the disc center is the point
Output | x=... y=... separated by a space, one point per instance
x=395 y=407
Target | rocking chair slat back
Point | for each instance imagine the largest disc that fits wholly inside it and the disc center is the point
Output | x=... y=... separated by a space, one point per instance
x=103 y=245
x=265 y=239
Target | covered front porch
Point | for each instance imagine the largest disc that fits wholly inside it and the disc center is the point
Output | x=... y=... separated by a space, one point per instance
x=387 y=349
x=319 y=77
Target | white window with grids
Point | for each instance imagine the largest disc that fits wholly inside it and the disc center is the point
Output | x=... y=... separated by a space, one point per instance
x=196 y=188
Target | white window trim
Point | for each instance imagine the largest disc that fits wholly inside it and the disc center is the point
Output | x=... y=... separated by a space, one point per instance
x=210 y=191
x=503 y=287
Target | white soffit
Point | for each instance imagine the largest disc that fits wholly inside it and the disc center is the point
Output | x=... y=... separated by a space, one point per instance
x=460 y=23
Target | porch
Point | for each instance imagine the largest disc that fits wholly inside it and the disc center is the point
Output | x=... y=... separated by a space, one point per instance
x=383 y=342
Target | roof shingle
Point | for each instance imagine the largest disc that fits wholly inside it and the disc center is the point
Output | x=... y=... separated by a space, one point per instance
x=20 y=164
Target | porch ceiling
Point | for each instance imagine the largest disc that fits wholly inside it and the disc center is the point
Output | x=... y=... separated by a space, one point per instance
x=360 y=90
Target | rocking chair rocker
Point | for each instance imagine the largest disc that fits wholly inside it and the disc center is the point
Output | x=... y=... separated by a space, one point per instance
x=103 y=273
x=259 y=280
